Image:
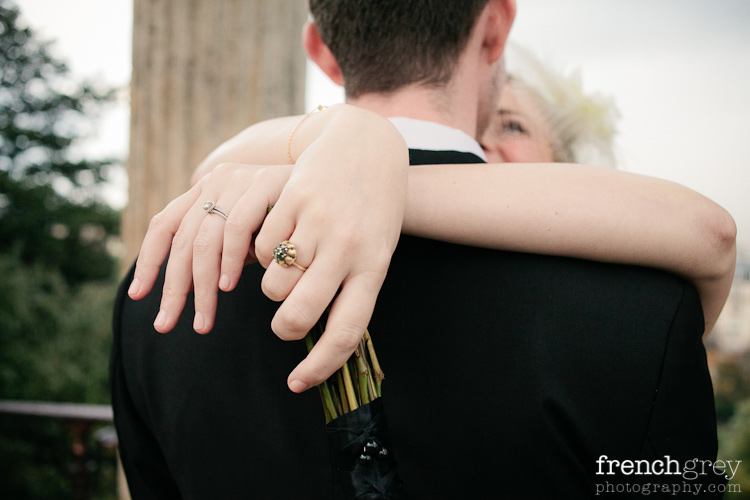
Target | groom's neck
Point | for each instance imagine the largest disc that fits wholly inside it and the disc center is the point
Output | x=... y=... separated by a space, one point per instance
x=440 y=105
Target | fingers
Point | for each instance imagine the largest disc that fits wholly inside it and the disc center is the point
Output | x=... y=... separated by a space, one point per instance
x=306 y=294
x=212 y=258
x=346 y=324
x=246 y=217
x=278 y=226
x=197 y=242
x=178 y=279
x=279 y=280
x=206 y=261
x=194 y=263
x=308 y=298
x=158 y=241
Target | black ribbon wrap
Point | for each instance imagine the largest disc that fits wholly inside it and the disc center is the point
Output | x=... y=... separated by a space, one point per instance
x=361 y=452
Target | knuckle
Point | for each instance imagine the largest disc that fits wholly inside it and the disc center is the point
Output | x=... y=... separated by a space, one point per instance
x=292 y=323
x=381 y=260
x=318 y=374
x=264 y=174
x=221 y=169
x=144 y=269
x=350 y=242
x=156 y=222
x=373 y=280
x=272 y=290
x=202 y=244
x=234 y=227
x=232 y=264
x=350 y=237
x=205 y=302
x=169 y=292
x=179 y=241
x=346 y=337
x=263 y=247
x=229 y=263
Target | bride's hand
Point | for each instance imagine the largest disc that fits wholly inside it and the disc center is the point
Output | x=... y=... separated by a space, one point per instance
x=342 y=206
x=199 y=244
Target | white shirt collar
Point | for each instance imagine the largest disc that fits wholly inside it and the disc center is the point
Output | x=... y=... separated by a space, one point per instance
x=431 y=136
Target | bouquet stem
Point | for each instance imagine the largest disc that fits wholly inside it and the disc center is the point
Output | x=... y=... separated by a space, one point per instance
x=356 y=425
x=356 y=383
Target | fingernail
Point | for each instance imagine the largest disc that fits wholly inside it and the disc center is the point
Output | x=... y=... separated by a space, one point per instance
x=161 y=319
x=198 y=322
x=224 y=282
x=135 y=286
x=298 y=386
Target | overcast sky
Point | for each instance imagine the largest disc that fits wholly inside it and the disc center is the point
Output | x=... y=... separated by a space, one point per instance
x=678 y=71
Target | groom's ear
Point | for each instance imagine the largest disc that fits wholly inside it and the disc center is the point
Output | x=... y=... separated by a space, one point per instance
x=320 y=54
x=500 y=16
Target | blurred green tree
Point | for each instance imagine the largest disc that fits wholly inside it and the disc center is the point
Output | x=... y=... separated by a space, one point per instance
x=57 y=276
x=731 y=387
x=735 y=446
x=50 y=210
x=54 y=340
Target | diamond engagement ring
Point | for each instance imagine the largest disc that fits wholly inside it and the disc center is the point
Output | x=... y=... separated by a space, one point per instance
x=210 y=207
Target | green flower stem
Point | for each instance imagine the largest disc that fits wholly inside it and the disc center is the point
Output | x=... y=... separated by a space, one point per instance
x=328 y=401
x=329 y=408
x=325 y=407
x=377 y=371
x=349 y=387
x=356 y=383
x=371 y=386
x=354 y=373
x=309 y=341
x=335 y=391
x=362 y=375
x=342 y=391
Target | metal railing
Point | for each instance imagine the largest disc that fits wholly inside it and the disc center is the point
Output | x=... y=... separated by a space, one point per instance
x=80 y=419
x=67 y=411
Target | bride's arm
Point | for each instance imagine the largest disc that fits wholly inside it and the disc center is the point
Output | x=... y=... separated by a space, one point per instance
x=273 y=141
x=343 y=215
x=558 y=209
x=579 y=211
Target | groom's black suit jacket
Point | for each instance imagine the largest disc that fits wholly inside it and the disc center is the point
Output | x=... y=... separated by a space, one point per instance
x=507 y=376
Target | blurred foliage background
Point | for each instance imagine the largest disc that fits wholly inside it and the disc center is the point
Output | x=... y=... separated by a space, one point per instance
x=57 y=273
x=731 y=380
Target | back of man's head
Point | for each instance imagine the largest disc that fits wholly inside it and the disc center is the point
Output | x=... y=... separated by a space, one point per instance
x=382 y=45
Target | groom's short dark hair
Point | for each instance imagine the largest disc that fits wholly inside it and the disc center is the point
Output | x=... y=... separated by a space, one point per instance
x=381 y=45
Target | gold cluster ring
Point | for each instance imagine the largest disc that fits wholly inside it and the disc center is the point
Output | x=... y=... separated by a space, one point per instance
x=285 y=254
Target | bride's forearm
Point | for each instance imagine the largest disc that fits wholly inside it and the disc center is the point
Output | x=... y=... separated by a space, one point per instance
x=568 y=210
x=578 y=211
x=272 y=142
x=248 y=146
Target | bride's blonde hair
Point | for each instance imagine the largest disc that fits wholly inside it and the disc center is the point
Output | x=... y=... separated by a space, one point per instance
x=581 y=125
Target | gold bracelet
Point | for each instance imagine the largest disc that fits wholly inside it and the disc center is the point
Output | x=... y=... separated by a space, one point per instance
x=289 y=144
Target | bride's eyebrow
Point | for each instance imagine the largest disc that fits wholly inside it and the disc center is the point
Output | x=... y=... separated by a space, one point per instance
x=509 y=112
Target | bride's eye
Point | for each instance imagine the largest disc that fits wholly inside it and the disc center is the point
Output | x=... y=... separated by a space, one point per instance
x=514 y=127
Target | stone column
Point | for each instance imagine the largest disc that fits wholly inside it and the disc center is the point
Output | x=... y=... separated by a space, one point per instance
x=203 y=71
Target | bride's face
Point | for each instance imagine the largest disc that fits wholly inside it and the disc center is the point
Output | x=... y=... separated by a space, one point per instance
x=517 y=132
